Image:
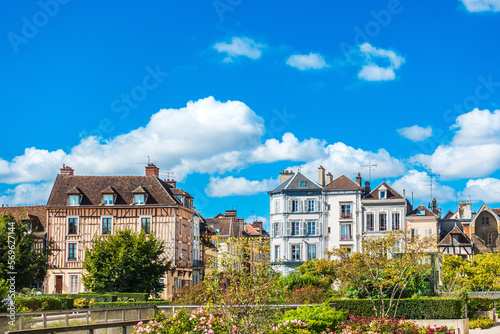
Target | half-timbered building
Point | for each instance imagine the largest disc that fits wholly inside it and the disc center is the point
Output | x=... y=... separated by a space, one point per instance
x=83 y=208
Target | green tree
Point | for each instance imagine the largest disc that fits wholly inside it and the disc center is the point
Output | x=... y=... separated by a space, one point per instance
x=241 y=289
x=125 y=262
x=385 y=267
x=18 y=254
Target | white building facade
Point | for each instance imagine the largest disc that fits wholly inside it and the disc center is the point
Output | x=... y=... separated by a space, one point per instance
x=297 y=222
x=343 y=213
x=384 y=209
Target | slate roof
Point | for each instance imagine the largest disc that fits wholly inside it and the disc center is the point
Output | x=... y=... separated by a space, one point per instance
x=428 y=213
x=294 y=184
x=342 y=182
x=179 y=191
x=391 y=193
x=36 y=214
x=91 y=187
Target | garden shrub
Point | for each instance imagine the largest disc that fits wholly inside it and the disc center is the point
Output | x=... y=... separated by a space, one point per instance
x=417 y=308
x=483 y=322
x=357 y=325
x=475 y=304
x=67 y=302
x=81 y=302
x=317 y=317
x=125 y=304
x=37 y=303
x=297 y=280
x=307 y=295
x=190 y=295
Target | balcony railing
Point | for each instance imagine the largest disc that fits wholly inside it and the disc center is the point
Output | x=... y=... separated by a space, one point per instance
x=198 y=263
x=345 y=237
x=370 y=228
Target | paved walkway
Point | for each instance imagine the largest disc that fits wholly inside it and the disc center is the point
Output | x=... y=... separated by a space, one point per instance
x=495 y=329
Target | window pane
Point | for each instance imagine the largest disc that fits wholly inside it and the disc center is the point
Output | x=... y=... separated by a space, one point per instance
x=146 y=225
x=106 y=225
x=72 y=225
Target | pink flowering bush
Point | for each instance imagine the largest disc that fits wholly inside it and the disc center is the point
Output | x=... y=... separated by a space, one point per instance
x=290 y=326
x=183 y=321
x=358 y=325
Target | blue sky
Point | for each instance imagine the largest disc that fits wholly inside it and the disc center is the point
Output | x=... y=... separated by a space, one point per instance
x=228 y=93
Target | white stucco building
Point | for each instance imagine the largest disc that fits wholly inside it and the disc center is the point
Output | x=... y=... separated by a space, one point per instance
x=297 y=221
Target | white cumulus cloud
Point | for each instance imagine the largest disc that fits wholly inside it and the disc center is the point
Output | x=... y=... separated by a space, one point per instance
x=474 y=151
x=230 y=186
x=379 y=63
x=482 y=5
x=419 y=183
x=240 y=46
x=416 y=133
x=27 y=194
x=311 y=61
x=486 y=190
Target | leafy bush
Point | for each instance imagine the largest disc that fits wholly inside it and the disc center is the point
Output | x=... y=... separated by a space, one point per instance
x=291 y=327
x=318 y=318
x=37 y=303
x=67 y=302
x=483 y=322
x=191 y=295
x=357 y=325
x=307 y=295
x=475 y=304
x=418 y=308
x=81 y=303
x=125 y=304
x=297 y=280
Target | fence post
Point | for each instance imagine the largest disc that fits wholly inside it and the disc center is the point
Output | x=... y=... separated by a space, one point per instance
x=124 y=329
x=123 y=314
x=21 y=322
x=106 y=316
x=44 y=320
x=87 y=314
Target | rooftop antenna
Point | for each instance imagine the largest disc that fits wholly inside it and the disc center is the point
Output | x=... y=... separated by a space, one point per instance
x=169 y=174
x=146 y=163
x=370 y=167
x=432 y=175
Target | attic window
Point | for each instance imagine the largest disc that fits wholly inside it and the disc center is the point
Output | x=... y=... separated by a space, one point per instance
x=139 y=199
x=454 y=239
x=420 y=212
x=108 y=199
x=303 y=183
x=74 y=200
x=383 y=194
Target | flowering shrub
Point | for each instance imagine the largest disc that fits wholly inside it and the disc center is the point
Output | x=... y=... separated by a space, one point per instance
x=182 y=321
x=483 y=322
x=290 y=326
x=357 y=325
x=307 y=294
x=318 y=317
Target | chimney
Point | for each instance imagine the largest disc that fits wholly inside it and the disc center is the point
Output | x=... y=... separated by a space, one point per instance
x=368 y=189
x=152 y=170
x=257 y=225
x=285 y=175
x=359 y=180
x=67 y=170
x=230 y=213
x=321 y=176
x=464 y=210
x=329 y=178
x=434 y=206
x=171 y=183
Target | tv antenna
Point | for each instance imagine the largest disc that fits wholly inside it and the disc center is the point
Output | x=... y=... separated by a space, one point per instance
x=146 y=163
x=432 y=175
x=169 y=174
x=370 y=167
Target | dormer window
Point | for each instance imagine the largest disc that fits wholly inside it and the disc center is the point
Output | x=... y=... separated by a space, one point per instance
x=421 y=212
x=107 y=199
x=108 y=196
x=303 y=183
x=382 y=192
x=139 y=199
x=140 y=196
x=74 y=200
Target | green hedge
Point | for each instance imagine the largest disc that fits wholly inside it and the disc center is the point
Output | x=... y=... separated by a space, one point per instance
x=125 y=304
x=110 y=297
x=422 y=308
x=475 y=304
x=38 y=303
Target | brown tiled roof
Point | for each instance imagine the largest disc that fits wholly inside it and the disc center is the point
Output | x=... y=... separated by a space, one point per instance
x=229 y=226
x=391 y=193
x=179 y=191
x=342 y=182
x=37 y=215
x=159 y=192
x=496 y=211
x=428 y=213
x=462 y=237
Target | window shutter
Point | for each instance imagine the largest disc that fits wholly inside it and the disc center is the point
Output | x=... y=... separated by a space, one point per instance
x=288 y=228
x=289 y=205
x=320 y=229
x=303 y=225
x=271 y=202
x=272 y=229
x=299 y=203
x=280 y=228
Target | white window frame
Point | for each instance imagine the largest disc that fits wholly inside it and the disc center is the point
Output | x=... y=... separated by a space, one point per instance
x=428 y=232
x=295 y=228
x=372 y=214
x=70 y=284
x=107 y=196
x=101 y=225
x=347 y=213
x=312 y=223
x=311 y=205
x=77 y=223
x=143 y=199
x=79 y=199
x=151 y=224
x=292 y=258
x=398 y=214
x=277 y=252
x=350 y=232
x=379 y=221
x=309 y=258
x=276 y=229
x=76 y=251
